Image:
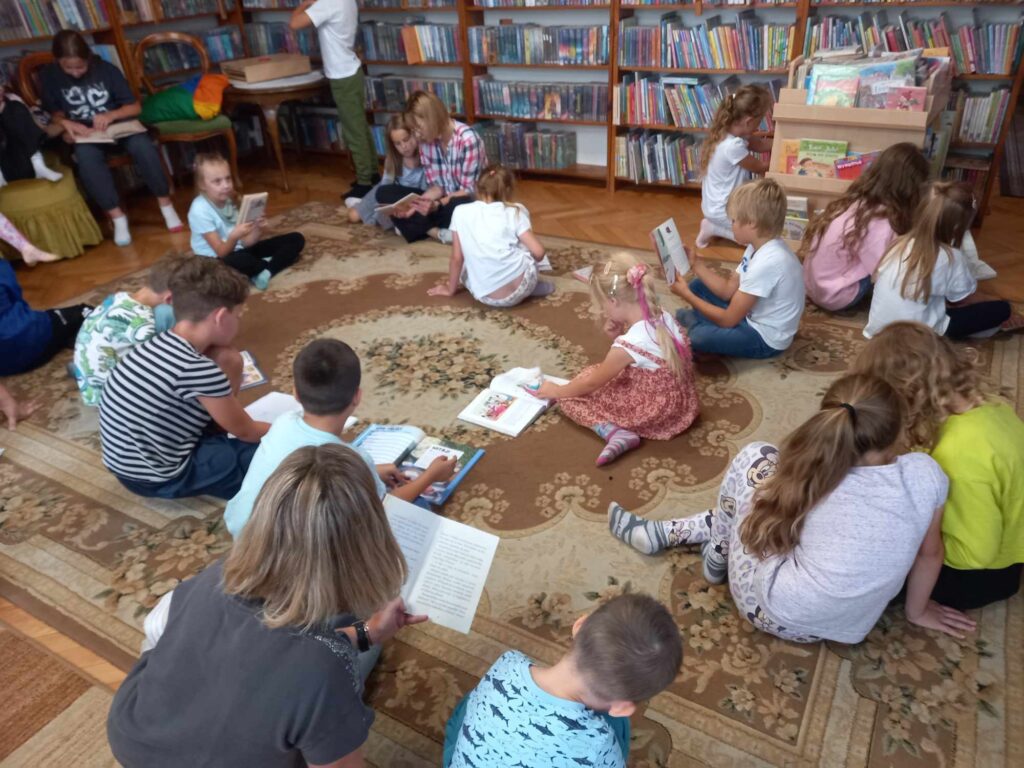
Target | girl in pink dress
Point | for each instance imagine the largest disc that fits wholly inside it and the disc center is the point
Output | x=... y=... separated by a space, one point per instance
x=645 y=387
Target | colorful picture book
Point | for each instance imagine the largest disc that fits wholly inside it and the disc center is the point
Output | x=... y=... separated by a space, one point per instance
x=854 y=164
x=448 y=563
x=670 y=249
x=411 y=450
x=833 y=85
x=252 y=376
x=506 y=406
x=817 y=157
x=906 y=98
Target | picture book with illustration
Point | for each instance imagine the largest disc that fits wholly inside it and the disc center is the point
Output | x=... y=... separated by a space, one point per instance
x=506 y=406
x=670 y=249
x=253 y=207
x=252 y=376
x=817 y=157
x=411 y=450
x=833 y=85
x=907 y=99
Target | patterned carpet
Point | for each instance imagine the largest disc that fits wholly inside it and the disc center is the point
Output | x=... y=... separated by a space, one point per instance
x=91 y=558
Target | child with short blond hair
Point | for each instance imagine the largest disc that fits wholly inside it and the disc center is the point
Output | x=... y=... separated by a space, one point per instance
x=755 y=312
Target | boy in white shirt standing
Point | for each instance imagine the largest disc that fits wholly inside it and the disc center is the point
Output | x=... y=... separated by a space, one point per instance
x=336 y=23
x=755 y=312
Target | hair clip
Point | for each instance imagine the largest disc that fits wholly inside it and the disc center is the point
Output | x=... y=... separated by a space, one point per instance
x=615 y=285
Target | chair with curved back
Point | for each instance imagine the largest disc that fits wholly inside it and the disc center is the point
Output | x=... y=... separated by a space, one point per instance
x=186 y=130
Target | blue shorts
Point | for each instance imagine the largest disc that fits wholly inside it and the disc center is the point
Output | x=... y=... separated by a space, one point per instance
x=216 y=468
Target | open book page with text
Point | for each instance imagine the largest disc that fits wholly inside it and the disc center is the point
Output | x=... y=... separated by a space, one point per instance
x=273 y=404
x=448 y=563
x=389 y=443
x=113 y=132
x=399 y=206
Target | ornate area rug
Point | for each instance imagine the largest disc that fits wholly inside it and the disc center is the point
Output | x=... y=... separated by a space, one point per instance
x=83 y=553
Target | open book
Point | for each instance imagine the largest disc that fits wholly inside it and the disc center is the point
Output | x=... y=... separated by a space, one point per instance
x=507 y=406
x=113 y=132
x=410 y=449
x=399 y=206
x=274 y=404
x=253 y=207
x=448 y=563
x=670 y=249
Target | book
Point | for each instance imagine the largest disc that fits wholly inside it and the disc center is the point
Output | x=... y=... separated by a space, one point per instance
x=399 y=206
x=411 y=450
x=833 y=85
x=253 y=207
x=252 y=376
x=790 y=153
x=448 y=563
x=275 y=404
x=670 y=249
x=793 y=227
x=583 y=274
x=796 y=205
x=113 y=132
x=506 y=406
x=854 y=164
x=817 y=157
x=906 y=98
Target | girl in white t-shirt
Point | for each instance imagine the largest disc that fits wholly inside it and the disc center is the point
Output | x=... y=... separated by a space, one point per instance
x=494 y=250
x=818 y=535
x=646 y=386
x=925 y=277
x=725 y=160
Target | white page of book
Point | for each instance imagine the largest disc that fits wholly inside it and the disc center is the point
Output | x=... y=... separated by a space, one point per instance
x=274 y=404
x=388 y=443
x=437 y=451
x=508 y=414
x=670 y=250
x=448 y=563
x=514 y=382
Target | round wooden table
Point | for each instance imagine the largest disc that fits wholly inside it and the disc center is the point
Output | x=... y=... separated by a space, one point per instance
x=269 y=100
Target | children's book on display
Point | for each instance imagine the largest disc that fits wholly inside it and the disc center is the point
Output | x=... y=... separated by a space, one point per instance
x=507 y=406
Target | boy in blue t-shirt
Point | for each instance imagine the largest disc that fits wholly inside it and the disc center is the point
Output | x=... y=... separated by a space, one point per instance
x=327 y=375
x=576 y=712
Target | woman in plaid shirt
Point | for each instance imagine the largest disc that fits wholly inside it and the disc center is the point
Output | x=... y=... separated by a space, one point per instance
x=452 y=156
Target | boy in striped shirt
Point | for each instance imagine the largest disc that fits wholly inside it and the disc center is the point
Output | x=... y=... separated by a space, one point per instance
x=160 y=400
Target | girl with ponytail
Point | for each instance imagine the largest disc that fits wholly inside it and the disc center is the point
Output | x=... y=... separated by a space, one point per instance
x=645 y=387
x=817 y=536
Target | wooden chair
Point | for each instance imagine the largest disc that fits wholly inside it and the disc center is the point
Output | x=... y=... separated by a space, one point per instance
x=31 y=90
x=187 y=130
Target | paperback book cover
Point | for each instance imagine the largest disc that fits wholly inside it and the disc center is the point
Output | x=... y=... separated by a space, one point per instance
x=253 y=207
x=906 y=98
x=670 y=249
x=833 y=85
x=790 y=153
x=817 y=157
x=252 y=376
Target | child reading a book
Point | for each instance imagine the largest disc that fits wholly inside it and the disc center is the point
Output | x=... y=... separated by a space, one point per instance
x=978 y=440
x=403 y=175
x=327 y=375
x=645 y=387
x=817 y=536
x=494 y=249
x=120 y=322
x=575 y=713
x=726 y=161
x=755 y=312
x=160 y=401
x=217 y=232
x=842 y=246
x=925 y=277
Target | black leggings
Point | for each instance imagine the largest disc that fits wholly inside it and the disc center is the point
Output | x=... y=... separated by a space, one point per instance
x=418 y=225
x=64 y=324
x=975 y=318
x=273 y=254
x=20 y=138
x=965 y=590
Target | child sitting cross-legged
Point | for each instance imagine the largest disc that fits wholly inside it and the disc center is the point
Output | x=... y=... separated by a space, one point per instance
x=755 y=312
x=159 y=401
x=119 y=323
x=327 y=375
x=645 y=387
x=576 y=712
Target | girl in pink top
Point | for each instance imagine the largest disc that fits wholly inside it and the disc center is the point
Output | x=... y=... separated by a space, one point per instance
x=842 y=246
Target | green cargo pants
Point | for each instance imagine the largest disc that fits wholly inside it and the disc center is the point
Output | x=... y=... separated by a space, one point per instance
x=350 y=99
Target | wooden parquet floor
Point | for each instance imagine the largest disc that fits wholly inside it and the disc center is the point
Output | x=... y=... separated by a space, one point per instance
x=579 y=211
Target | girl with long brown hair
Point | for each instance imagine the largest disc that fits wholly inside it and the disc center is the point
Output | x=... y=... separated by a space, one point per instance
x=818 y=535
x=843 y=245
x=725 y=161
x=403 y=175
x=924 y=276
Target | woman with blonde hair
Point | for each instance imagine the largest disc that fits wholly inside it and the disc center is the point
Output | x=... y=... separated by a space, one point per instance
x=978 y=440
x=818 y=535
x=452 y=156
x=260 y=659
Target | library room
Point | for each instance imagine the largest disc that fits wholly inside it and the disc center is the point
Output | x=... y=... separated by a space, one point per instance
x=512 y=383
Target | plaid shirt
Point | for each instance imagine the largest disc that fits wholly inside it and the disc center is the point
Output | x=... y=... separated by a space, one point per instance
x=457 y=166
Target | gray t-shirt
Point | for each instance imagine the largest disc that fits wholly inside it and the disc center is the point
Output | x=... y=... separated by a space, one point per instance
x=220 y=689
x=855 y=551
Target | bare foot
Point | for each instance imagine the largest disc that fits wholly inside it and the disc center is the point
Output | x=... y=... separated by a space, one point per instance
x=32 y=256
x=704 y=235
x=1014 y=323
x=353 y=216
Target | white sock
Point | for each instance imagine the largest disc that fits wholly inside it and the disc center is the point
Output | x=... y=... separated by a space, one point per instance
x=170 y=217
x=121 y=234
x=42 y=172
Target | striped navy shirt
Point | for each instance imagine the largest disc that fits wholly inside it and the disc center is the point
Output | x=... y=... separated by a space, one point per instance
x=150 y=418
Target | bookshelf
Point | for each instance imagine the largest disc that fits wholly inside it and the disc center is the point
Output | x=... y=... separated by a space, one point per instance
x=261 y=24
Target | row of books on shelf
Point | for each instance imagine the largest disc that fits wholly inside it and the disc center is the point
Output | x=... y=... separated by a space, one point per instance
x=391 y=92
x=979 y=117
x=747 y=44
x=315 y=127
x=524 y=147
x=992 y=48
x=256 y=5
x=153 y=10
x=222 y=44
x=412 y=42
x=823 y=159
x=534 y=44
x=40 y=18
x=372 y=4
x=892 y=81
x=276 y=37
x=546 y=101
x=682 y=102
x=647 y=157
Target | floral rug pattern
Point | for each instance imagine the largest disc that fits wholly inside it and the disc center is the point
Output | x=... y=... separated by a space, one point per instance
x=93 y=559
